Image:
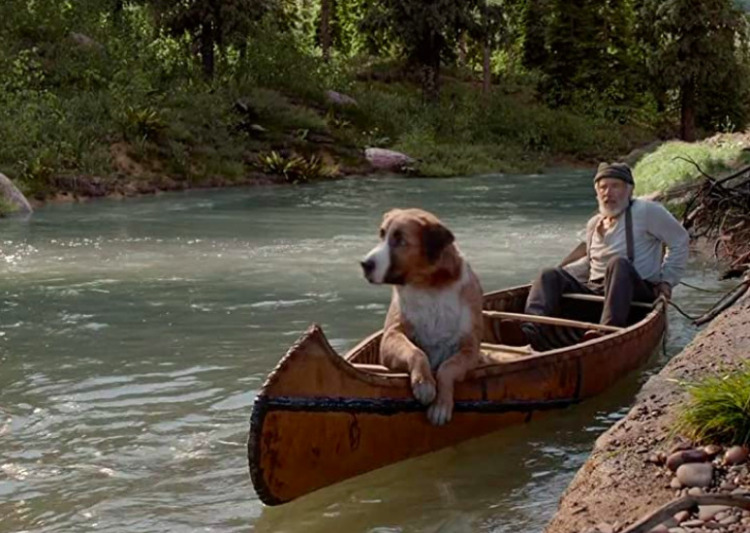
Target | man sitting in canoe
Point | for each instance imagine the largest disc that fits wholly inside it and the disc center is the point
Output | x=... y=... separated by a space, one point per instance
x=623 y=261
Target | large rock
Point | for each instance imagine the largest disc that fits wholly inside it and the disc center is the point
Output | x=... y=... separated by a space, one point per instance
x=84 y=41
x=383 y=159
x=341 y=99
x=10 y=193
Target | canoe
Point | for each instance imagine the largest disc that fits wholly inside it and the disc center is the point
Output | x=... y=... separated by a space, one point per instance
x=321 y=418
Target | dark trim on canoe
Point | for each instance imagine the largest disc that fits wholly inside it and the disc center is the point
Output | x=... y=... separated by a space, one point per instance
x=390 y=406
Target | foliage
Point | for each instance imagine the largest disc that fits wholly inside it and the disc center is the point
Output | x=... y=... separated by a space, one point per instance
x=295 y=168
x=586 y=43
x=718 y=409
x=699 y=51
x=427 y=31
x=669 y=166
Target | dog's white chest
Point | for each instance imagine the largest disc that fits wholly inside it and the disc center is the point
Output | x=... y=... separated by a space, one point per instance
x=439 y=318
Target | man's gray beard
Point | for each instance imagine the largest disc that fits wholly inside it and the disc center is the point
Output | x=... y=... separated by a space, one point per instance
x=612 y=213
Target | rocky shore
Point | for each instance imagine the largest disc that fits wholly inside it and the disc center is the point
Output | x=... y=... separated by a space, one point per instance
x=642 y=464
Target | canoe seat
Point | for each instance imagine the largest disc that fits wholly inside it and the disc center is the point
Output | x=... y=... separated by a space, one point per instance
x=376 y=369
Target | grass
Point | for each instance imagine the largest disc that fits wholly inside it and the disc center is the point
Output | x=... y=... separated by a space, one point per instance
x=718 y=409
x=664 y=168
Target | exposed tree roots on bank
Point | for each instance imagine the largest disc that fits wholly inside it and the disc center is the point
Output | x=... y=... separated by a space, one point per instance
x=719 y=210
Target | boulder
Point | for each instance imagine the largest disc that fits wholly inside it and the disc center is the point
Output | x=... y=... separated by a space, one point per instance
x=341 y=99
x=84 y=41
x=383 y=159
x=10 y=194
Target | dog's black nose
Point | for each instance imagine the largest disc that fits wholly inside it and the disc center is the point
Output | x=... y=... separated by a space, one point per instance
x=367 y=266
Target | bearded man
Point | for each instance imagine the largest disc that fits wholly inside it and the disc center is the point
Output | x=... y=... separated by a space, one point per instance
x=624 y=258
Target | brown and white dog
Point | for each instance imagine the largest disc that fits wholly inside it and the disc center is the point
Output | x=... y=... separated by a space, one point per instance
x=434 y=323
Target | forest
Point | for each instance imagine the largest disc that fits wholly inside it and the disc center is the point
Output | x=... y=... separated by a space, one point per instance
x=103 y=96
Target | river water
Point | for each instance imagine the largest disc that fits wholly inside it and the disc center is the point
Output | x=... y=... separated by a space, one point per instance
x=134 y=335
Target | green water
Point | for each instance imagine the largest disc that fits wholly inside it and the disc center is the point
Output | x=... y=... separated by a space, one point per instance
x=134 y=335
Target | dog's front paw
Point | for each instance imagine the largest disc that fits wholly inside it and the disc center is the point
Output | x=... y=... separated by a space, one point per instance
x=440 y=413
x=424 y=391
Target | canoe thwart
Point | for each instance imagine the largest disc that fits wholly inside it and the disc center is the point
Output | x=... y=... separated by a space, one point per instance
x=552 y=321
x=597 y=298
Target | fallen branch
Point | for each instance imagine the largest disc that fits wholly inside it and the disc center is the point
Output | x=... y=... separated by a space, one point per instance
x=683 y=504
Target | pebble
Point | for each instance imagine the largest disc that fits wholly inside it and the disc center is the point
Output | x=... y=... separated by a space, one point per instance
x=675 y=483
x=729 y=520
x=682 y=516
x=692 y=523
x=677 y=530
x=713 y=449
x=677 y=459
x=661 y=528
x=736 y=455
x=706 y=512
x=695 y=491
x=695 y=474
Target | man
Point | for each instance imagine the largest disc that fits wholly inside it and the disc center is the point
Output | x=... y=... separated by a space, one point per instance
x=623 y=258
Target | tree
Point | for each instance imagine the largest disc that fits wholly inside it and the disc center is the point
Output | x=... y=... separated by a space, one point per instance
x=696 y=49
x=588 y=50
x=534 y=33
x=213 y=24
x=426 y=31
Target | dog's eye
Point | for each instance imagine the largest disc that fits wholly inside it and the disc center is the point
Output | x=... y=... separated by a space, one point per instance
x=398 y=239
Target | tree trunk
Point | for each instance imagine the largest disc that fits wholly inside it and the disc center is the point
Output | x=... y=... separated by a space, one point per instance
x=486 y=72
x=325 y=28
x=687 y=105
x=207 y=49
x=117 y=12
x=428 y=55
x=462 y=50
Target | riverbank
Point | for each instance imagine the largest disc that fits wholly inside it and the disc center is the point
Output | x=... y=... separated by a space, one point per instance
x=622 y=481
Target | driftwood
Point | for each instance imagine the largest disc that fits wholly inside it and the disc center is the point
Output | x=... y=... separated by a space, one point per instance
x=688 y=502
x=720 y=209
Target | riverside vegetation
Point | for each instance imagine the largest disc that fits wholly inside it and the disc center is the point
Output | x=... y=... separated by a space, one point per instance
x=123 y=96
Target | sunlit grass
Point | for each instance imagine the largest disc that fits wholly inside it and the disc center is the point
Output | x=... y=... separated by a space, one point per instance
x=718 y=409
x=667 y=166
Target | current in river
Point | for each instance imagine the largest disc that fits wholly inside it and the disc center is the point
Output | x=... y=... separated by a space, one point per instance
x=134 y=335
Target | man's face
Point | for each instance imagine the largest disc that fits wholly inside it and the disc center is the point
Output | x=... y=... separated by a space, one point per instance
x=613 y=195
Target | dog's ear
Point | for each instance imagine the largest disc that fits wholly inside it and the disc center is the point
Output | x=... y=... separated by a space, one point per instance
x=436 y=238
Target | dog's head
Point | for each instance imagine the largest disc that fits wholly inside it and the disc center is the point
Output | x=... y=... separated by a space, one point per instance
x=412 y=242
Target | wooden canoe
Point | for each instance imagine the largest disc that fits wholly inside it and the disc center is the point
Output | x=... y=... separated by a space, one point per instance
x=321 y=418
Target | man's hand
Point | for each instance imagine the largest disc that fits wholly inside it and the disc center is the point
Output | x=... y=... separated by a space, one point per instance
x=663 y=289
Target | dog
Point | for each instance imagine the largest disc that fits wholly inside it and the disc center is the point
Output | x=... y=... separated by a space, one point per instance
x=434 y=323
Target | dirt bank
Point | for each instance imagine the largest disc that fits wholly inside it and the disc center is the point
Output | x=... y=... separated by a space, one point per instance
x=618 y=485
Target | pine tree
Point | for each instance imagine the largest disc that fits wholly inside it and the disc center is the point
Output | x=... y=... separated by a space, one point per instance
x=697 y=49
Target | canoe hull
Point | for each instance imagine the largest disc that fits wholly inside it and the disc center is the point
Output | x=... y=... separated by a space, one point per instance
x=319 y=420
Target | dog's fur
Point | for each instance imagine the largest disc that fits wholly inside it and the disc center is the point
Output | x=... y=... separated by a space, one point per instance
x=435 y=319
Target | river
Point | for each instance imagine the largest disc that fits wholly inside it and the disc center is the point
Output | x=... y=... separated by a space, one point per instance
x=135 y=333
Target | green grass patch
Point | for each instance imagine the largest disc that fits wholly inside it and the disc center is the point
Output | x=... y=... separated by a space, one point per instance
x=718 y=409
x=667 y=166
